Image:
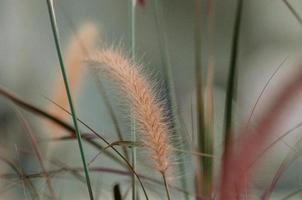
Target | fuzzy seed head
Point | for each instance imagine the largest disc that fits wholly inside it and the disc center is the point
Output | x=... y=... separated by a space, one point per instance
x=142 y=99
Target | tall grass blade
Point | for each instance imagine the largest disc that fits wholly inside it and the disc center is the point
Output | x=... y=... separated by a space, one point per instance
x=262 y=92
x=74 y=118
x=168 y=76
x=232 y=77
x=203 y=183
x=132 y=27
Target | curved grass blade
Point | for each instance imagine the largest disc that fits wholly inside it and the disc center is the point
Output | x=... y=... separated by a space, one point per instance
x=242 y=150
x=112 y=147
x=263 y=90
x=38 y=154
x=111 y=113
x=101 y=89
x=275 y=142
x=27 y=106
x=99 y=169
x=22 y=176
x=289 y=159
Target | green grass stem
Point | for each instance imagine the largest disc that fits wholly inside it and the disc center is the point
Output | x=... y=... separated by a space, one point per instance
x=232 y=77
x=69 y=96
x=132 y=28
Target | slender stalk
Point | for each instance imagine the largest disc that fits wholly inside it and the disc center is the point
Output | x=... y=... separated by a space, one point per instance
x=166 y=186
x=132 y=7
x=230 y=93
x=171 y=98
x=292 y=194
x=22 y=176
x=204 y=136
x=70 y=129
x=232 y=80
x=113 y=116
x=73 y=113
x=39 y=112
x=34 y=144
x=262 y=92
x=293 y=11
x=109 y=146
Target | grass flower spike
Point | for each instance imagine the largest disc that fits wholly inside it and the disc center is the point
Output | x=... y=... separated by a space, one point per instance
x=142 y=99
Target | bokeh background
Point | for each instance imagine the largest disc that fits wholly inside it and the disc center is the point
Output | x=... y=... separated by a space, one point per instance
x=29 y=66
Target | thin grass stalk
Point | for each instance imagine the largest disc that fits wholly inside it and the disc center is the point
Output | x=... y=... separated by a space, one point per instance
x=34 y=144
x=37 y=111
x=232 y=77
x=101 y=89
x=209 y=104
x=75 y=174
x=204 y=139
x=21 y=174
x=117 y=172
x=132 y=7
x=78 y=48
x=143 y=101
x=293 y=11
x=242 y=151
x=262 y=92
x=299 y=125
x=112 y=147
x=74 y=117
x=102 y=92
x=111 y=112
x=125 y=195
x=166 y=186
x=290 y=158
x=292 y=194
x=168 y=77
